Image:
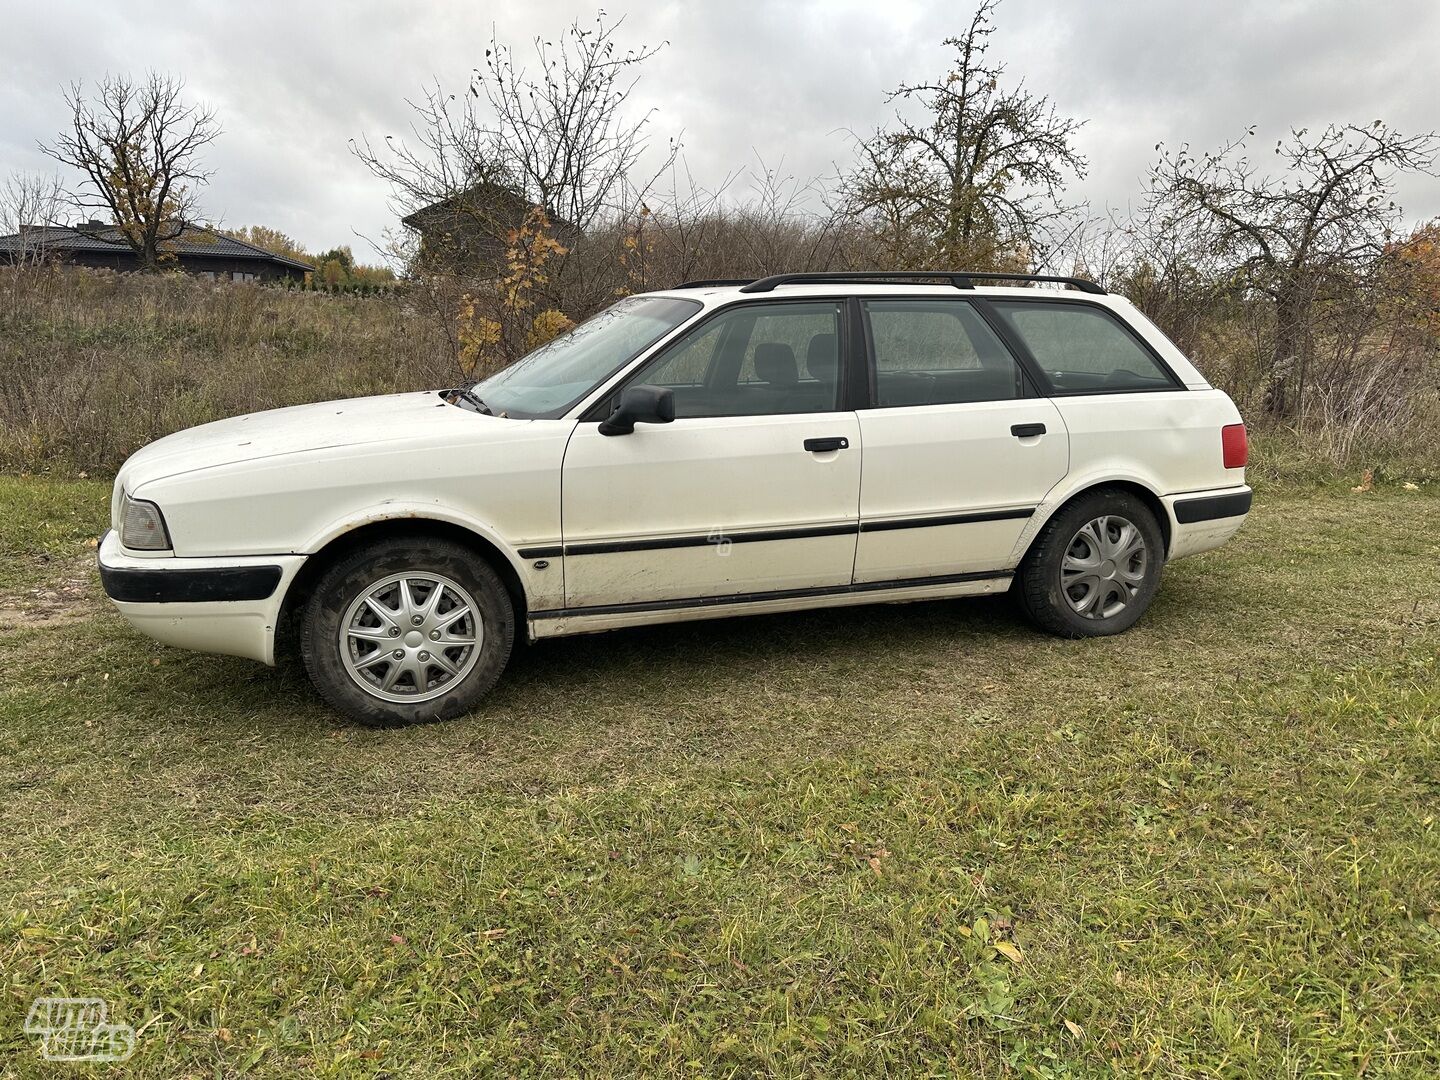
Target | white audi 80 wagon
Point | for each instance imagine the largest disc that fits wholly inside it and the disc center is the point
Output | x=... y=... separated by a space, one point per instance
x=719 y=448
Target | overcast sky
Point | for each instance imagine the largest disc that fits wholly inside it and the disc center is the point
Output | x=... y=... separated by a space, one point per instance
x=292 y=82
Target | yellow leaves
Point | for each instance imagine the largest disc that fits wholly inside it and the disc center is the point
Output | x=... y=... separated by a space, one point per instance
x=1367 y=482
x=475 y=335
x=1074 y=1029
x=985 y=935
x=547 y=325
x=1010 y=951
x=492 y=325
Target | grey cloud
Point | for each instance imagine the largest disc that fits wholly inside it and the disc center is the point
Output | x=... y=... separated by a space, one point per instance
x=293 y=83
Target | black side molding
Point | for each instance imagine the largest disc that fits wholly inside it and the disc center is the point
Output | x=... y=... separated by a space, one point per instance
x=1212 y=507
x=948 y=519
x=189 y=586
x=801 y=532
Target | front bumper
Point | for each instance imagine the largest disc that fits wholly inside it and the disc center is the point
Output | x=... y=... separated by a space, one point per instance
x=1203 y=520
x=229 y=606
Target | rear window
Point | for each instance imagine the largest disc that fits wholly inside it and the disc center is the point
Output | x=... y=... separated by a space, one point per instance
x=1084 y=348
x=938 y=352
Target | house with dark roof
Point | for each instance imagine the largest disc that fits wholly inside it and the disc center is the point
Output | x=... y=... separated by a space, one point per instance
x=194 y=250
x=471 y=228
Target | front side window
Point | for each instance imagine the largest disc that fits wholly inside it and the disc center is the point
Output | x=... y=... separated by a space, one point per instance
x=938 y=352
x=551 y=380
x=755 y=360
x=1083 y=348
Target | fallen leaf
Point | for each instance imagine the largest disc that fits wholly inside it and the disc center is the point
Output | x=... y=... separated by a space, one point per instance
x=1408 y=486
x=874 y=859
x=1074 y=1029
x=224 y=1035
x=1010 y=951
x=397 y=939
x=1367 y=482
x=496 y=932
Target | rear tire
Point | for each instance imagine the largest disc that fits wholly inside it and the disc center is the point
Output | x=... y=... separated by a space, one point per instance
x=406 y=631
x=1094 y=568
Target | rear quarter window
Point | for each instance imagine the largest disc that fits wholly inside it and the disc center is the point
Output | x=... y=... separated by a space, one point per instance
x=1083 y=348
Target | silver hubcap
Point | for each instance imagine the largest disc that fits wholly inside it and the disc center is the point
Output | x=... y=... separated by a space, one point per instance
x=1104 y=567
x=410 y=637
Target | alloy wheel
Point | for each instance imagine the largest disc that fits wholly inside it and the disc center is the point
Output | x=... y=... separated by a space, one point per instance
x=411 y=637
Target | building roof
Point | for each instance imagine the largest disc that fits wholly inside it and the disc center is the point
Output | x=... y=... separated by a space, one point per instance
x=192 y=240
x=486 y=196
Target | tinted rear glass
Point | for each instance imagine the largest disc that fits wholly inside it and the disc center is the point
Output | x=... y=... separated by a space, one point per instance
x=1083 y=348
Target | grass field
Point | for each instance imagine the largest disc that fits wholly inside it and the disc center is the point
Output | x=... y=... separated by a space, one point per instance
x=918 y=839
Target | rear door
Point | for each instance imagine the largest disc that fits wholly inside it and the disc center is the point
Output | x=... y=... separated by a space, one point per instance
x=753 y=488
x=959 y=446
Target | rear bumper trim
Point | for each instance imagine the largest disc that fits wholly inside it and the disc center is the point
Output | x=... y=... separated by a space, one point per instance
x=1213 y=507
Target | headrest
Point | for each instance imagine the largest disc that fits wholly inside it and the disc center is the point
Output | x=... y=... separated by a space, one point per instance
x=775 y=363
x=822 y=358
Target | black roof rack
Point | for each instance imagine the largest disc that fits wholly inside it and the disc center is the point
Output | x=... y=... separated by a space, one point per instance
x=708 y=283
x=960 y=279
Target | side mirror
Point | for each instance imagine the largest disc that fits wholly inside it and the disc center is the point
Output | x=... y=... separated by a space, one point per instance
x=640 y=405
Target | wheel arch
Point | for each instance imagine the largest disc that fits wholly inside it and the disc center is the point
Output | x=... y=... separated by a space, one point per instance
x=365 y=532
x=1145 y=494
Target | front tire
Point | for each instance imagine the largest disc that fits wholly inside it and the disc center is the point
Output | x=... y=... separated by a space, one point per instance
x=1094 y=568
x=406 y=631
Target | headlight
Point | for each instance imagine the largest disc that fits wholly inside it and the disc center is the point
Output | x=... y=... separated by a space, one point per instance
x=142 y=527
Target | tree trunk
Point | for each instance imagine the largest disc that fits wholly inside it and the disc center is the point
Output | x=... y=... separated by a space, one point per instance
x=1292 y=311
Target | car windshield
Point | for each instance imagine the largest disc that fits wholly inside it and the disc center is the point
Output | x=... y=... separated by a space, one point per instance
x=549 y=381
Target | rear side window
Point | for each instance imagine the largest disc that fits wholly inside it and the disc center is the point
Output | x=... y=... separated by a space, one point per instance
x=938 y=352
x=1084 y=348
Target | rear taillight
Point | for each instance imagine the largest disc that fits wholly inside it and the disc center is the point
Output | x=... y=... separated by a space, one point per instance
x=1234 y=447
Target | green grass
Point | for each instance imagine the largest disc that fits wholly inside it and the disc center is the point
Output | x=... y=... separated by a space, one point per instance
x=916 y=840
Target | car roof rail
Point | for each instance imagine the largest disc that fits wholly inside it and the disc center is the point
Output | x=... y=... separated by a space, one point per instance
x=709 y=283
x=960 y=279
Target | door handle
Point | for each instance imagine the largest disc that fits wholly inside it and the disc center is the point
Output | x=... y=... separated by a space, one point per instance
x=822 y=446
x=1026 y=431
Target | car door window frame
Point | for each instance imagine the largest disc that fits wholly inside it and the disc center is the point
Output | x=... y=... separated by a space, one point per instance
x=1030 y=386
x=850 y=363
x=1021 y=350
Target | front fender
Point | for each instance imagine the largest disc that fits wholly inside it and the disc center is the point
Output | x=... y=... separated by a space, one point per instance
x=541 y=588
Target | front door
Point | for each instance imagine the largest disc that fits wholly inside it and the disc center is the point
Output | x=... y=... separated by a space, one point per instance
x=959 y=449
x=752 y=489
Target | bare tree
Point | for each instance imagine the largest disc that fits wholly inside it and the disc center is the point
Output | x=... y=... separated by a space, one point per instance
x=1300 y=237
x=138 y=146
x=558 y=139
x=29 y=204
x=978 y=182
